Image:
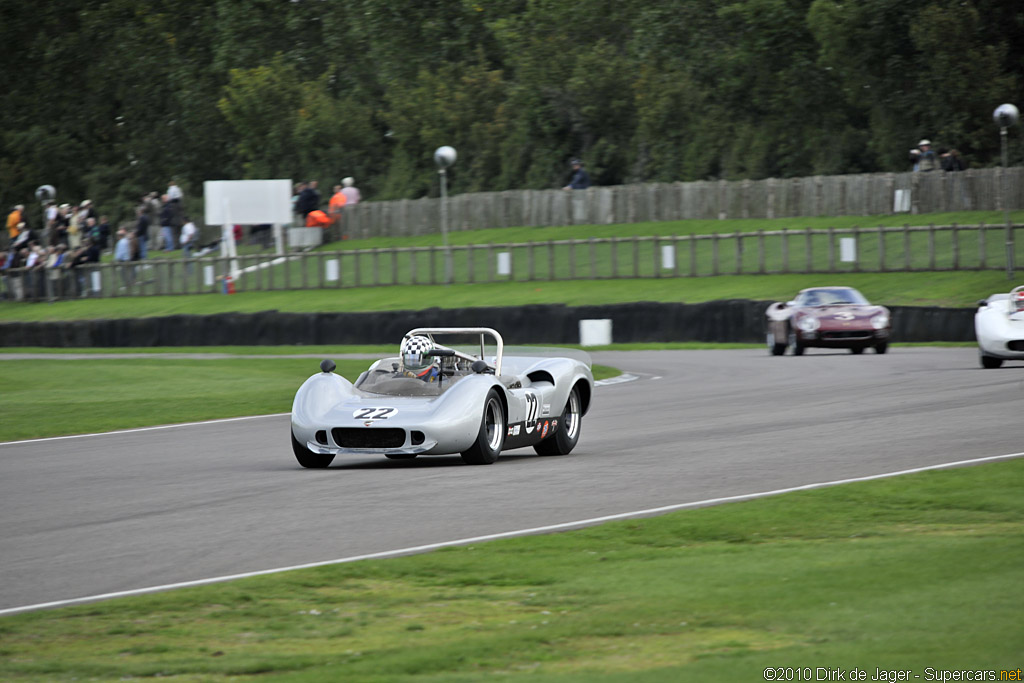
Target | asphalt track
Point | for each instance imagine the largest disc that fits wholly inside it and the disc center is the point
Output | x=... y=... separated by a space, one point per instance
x=101 y=514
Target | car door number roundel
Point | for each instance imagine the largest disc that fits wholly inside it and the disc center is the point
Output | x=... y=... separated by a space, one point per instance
x=845 y=315
x=532 y=408
x=374 y=413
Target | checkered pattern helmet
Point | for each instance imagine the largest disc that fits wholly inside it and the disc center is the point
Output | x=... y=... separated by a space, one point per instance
x=414 y=353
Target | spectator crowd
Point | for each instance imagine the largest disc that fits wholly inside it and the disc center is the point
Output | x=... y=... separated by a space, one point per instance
x=50 y=260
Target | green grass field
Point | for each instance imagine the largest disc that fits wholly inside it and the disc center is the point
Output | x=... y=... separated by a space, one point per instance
x=917 y=573
x=961 y=289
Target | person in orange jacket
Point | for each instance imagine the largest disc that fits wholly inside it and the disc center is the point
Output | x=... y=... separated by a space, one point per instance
x=337 y=203
x=317 y=219
x=14 y=218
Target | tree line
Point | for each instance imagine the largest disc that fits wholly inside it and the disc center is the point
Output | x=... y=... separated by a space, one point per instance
x=109 y=99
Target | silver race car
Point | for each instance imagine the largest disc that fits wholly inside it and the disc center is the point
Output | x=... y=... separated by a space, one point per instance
x=434 y=399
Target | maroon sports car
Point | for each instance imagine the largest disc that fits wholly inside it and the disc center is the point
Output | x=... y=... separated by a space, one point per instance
x=827 y=317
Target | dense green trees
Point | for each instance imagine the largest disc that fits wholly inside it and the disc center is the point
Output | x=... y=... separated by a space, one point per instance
x=110 y=98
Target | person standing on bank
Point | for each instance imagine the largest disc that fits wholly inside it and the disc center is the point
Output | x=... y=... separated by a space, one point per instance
x=351 y=192
x=580 y=178
x=167 y=223
x=309 y=200
x=189 y=236
x=924 y=157
x=142 y=232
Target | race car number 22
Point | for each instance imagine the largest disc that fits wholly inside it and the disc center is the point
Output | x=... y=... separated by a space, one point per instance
x=374 y=413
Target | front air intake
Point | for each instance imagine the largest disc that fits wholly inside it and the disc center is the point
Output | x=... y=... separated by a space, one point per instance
x=356 y=437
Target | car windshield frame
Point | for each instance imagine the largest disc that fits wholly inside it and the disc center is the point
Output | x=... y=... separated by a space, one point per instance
x=831 y=296
x=384 y=379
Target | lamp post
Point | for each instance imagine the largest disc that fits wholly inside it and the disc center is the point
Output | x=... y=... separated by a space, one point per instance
x=1005 y=116
x=443 y=158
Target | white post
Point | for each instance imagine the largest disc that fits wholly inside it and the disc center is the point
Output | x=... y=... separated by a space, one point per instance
x=228 y=248
x=279 y=239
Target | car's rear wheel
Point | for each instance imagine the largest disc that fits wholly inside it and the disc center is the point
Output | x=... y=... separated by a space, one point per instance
x=881 y=347
x=794 y=343
x=990 y=362
x=856 y=350
x=491 y=438
x=775 y=348
x=568 y=431
x=308 y=458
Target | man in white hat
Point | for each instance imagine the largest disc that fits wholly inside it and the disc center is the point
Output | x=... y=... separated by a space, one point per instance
x=924 y=157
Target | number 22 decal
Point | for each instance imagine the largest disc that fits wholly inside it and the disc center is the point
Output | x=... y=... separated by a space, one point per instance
x=374 y=413
x=532 y=406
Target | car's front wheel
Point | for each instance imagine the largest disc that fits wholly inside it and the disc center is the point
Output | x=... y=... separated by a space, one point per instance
x=308 y=458
x=491 y=437
x=990 y=362
x=881 y=347
x=568 y=431
x=775 y=348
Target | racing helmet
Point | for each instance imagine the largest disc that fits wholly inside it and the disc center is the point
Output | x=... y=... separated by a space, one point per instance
x=414 y=353
x=1018 y=301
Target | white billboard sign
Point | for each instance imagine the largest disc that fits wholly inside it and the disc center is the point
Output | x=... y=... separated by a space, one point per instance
x=248 y=202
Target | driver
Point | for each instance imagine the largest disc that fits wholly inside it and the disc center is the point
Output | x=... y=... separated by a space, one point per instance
x=1018 y=302
x=416 y=361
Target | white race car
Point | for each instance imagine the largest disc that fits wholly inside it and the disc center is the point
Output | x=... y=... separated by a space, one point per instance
x=999 y=327
x=432 y=399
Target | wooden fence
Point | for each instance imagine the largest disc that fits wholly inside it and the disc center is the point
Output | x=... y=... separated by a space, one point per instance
x=826 y=251
x=844 y=195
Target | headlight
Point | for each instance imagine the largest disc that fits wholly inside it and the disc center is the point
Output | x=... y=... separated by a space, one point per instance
x=808 y=324
x=880 y=321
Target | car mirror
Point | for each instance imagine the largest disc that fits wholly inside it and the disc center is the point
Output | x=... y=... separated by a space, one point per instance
x=982 y=302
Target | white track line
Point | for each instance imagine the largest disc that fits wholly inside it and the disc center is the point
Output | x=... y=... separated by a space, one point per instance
x=142 y=429
x=507 y=534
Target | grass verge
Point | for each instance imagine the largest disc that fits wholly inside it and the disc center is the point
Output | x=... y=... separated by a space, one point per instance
x=917 y=573
x=99 y=395
x=959 y=289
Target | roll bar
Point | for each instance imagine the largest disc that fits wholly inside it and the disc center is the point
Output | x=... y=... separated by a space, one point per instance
x=482 y=331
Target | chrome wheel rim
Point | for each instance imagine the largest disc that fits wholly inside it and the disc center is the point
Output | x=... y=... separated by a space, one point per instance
x=572 y=415
x=494 y=424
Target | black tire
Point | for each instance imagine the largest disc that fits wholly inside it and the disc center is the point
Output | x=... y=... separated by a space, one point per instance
x=881 y=347
x=794 y=344
x=990 y=362
x=308 y=458
x=856 y=350
x=774 y=347
x=568 y=432
x=491 y=438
